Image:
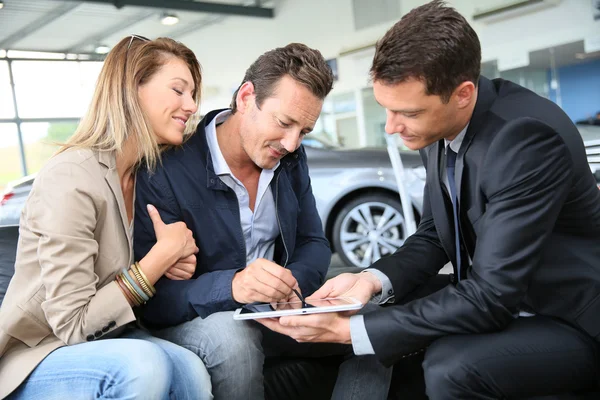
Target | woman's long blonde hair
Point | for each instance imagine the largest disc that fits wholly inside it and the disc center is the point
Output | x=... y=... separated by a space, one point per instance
x=115 y=112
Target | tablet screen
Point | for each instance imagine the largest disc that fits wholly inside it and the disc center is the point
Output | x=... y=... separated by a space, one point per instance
x=266 y=307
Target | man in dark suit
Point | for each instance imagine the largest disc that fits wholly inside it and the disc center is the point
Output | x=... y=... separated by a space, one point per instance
x=509 y=200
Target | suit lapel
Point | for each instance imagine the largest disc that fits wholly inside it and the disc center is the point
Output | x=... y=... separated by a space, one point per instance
x=437 y=199
x=112 y=178
x=485 y=98
x=460 y=164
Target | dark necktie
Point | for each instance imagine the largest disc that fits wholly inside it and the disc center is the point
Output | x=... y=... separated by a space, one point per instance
x=450 y=164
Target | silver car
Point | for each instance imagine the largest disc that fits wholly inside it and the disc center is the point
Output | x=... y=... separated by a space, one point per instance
x=13 y=198
x=355 y=191
x=358 y=201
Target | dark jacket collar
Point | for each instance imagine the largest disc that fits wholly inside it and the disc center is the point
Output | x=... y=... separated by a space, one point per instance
x=486 y=95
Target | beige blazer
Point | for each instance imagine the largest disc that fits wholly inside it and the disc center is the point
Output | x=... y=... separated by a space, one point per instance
x=73 y=239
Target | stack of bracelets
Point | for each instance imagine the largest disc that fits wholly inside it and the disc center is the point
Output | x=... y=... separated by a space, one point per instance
x=137 y=291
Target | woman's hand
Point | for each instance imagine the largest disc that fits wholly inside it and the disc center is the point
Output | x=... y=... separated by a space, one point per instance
x=174 y=242
x=175 y=237
x=182 y=270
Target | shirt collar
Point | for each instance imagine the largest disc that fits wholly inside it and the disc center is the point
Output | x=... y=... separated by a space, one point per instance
x=219 y=164
x=457 y=142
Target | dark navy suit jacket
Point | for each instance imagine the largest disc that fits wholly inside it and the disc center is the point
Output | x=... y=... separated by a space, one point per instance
x=529 y=212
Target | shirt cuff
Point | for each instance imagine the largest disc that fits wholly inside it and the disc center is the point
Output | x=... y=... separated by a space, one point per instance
x=387 y=291
x=361 y=344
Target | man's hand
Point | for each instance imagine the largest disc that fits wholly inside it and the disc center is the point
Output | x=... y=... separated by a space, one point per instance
x=264 y=281
x=183 y=269
x=322 y=328
x=360 y=286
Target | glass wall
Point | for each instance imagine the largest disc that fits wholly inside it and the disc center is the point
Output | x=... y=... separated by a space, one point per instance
x=337 y=123
x=51 y=97
x=42 y=139
x=534 y=79
x=7 y=109
x=374 y=119
x=65 y=95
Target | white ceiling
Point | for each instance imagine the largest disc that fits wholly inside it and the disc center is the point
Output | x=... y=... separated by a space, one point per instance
x=79 y=26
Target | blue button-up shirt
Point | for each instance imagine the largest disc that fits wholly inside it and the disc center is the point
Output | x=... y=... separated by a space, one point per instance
x=259 y=227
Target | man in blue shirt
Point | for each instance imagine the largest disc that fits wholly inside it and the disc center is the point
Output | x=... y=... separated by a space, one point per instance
x=241 y=184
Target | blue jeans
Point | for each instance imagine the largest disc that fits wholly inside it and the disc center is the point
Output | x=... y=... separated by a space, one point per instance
x=133 y=366
x=234 y=354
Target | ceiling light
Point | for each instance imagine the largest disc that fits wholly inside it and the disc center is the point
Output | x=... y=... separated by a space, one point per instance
x=102 y=49
x=169 y=19
x=1 y=4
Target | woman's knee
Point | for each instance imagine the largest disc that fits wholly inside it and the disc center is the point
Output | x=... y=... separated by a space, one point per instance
x=112 y=368
x=191 y=379
x=190 y=376
x=143 y=371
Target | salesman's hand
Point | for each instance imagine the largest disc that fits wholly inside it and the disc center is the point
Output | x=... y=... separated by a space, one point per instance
x=264 y=281
x=325 y=327
x=360 y=286
x=183 y=269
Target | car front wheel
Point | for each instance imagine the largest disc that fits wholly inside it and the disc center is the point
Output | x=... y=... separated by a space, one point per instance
x=368 y=228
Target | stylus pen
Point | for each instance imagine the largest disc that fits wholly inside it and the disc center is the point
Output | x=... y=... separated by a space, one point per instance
x=300 y=297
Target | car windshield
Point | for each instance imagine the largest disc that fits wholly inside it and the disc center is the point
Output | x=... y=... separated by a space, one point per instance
x=317 y=142
x=320 y=142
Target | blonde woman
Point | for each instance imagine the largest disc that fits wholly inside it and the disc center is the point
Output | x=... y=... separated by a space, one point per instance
x=67 y=324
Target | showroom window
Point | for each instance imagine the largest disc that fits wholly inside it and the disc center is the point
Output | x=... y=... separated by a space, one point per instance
x=66 y=94
x=353 y=119
x=51 y=97
x=42 y=139
x=7 y=109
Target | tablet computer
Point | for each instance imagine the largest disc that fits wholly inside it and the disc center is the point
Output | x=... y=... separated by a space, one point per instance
x=272 y=310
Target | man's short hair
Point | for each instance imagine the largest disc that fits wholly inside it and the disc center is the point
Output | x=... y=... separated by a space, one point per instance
x=433 y=43
x=305 y=65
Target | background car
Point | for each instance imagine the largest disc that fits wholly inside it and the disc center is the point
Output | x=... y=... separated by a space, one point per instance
x=355 y=191
x=13 y=198
x=357 y=198
x=356 y=195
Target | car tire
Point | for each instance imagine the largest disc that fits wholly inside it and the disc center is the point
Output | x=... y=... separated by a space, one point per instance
x=368 y=227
